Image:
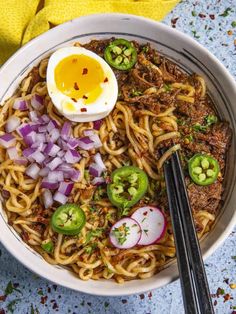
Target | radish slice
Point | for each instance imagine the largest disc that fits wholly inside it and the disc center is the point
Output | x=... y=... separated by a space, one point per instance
x=125 y=233
x=152 y=222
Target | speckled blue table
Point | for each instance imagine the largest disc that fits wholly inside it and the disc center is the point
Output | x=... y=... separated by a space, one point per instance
x=212 y=23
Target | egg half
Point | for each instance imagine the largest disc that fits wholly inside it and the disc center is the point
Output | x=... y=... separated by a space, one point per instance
x=81 y=84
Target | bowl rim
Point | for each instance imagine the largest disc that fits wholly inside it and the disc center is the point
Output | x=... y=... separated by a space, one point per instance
x=197 y=46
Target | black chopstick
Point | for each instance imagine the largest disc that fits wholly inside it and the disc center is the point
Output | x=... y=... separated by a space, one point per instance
x=192 y=273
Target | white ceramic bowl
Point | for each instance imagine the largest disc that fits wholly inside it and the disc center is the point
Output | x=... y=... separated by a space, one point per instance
x=178 y=47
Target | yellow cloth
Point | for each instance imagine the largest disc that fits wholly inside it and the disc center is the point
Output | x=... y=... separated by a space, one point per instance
x=22 y=20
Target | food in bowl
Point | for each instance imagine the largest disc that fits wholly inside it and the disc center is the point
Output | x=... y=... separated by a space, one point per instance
x=91 y=195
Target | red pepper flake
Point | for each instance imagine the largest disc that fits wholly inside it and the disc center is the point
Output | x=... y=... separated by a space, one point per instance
x=106 y=80
x=73 y=99
x=230 y=33
x=85 y=71
x=234 y=312
x=227 y=297
x=2 y=311
x=145 y=213
x=74 y=60
x=25 y=236
x=201 y=15
x=174 y=21
x=215 y=302
x=212 y=16
x=83 y=109
x=44 y=299
x=142 y=296
x=151 y=210
x=150 y=295
x=76 y=87
x=124 y=301
x=235 y=42
x=85 y=97
x=3 y=297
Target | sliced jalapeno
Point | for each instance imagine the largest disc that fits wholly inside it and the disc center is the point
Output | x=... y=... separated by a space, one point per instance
x=68 y=219
x=203 y=169
x=127 y=187
x=121 y=54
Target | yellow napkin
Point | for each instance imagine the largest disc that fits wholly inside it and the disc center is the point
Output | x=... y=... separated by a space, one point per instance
x=22 y=20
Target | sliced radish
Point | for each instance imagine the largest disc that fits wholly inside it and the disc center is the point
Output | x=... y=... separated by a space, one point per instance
x=125 y=233
x=152 y=222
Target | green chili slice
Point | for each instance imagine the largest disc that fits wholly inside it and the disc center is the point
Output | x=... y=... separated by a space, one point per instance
x=203 y=169
x=128 y=185
x=68 y=219
x=121 y=54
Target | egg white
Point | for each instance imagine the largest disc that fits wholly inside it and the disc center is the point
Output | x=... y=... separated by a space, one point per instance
x=101 y=107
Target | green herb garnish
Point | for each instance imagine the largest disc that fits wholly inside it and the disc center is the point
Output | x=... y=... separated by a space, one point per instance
x=167 y=87
x=121 y=233
x=226 y=12
x=135 y=93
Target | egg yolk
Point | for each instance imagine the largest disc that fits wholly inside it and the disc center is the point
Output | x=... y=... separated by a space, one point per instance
x=80 y=76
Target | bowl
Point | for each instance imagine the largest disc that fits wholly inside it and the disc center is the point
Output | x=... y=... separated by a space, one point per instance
x=192 y=57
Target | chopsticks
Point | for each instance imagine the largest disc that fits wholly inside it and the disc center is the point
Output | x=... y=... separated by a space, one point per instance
x=195 y=290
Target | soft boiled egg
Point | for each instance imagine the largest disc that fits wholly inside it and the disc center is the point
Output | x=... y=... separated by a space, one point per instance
x=82 y=86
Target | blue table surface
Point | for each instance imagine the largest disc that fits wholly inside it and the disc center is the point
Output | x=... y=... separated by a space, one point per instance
x=213 y=24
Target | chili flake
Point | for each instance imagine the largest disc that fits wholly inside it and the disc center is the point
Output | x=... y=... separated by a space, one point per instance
x=85 y=71
x=76 y=87
x=85 y=97
x=106 y=80
x=83 y=109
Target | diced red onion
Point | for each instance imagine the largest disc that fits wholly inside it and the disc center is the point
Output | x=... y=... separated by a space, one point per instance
x=33 y=171
x=34 y=126
x=89 y=132
x=5 y=194
x=95 y=170
x=98 y=181
x=38 y=157
x=45 y=118
x=60 y=198
x=98 y=160
x=54 y=163
x=54 y=150
x=42 y=128
x=97 y=124
x=72 y=143
x=25 y=129
x=27 y=152
x=66 y=130
x=60 y=154
x=56 y=176
x=20 y=104
x=12 y=124
x=72 y=156
x=44 y=172
x=49 y=184
x=40 y=138
x=51 y=125
x=12 y=153
x=47 y=198
x=85 y=143
x=21 y=161
x=54 y=135
x=30 y=139
x=75 y=175
x=37 y=102
x=7 y=140
x=97 y=142
x=33 y=116
x=65 y=188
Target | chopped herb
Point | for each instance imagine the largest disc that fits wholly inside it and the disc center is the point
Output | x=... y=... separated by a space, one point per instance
x=40 y=292
x=195 y=34
x=233 y=24
x=233 y=257
x=145 y=49
x=198 y=127
x=47 y=246
x=188 y=139
x=146 y=231
x=135 y=93
x=234 y=307
x=121 y=233
x=98 y=194
x=144 y=219
x=226 y=12
x=124 y=212
x=194 y=13
x=167 y=87
x=11 y=305
x=211 y=119
x=93 y=233
x=90 y=248
x=92 y=209
x=221 y=291
x=10 y=288
x=106 y=304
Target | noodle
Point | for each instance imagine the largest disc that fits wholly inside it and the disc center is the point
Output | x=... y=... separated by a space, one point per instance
x=129 y=136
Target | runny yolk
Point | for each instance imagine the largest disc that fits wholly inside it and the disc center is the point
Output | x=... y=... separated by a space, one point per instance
x=80 y=76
